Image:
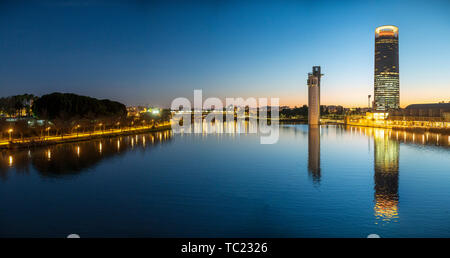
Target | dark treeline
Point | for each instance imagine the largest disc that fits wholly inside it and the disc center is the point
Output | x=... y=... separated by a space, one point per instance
x=68 y=106
x=14 y=105
x=294 y=112
x=57 y=114
x=302 y=112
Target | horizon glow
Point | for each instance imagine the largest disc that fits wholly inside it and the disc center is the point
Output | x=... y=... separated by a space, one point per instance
x=143 y=53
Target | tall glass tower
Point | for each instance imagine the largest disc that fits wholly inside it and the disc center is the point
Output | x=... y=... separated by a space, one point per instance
x=387 y=84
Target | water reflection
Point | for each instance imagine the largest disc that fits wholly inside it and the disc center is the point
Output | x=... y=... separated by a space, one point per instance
x=386 y=161
x=386 y=166
x=414 y=138
x=73 y=158
x=220 y=127
x=314 y=153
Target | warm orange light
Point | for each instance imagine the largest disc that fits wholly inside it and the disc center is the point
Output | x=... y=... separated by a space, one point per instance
x=388 y=30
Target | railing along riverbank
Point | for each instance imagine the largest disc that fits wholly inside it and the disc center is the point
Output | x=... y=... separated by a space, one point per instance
x=75 y=137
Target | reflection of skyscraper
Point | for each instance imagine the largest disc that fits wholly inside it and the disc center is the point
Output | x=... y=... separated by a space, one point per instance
x=386 y=161
x=387 y=85
x=314 y=96
x=314 y=152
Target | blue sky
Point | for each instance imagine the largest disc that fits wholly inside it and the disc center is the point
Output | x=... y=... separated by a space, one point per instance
x=150 y=52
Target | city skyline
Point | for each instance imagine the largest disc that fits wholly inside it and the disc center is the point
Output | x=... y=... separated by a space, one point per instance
x=151 y=53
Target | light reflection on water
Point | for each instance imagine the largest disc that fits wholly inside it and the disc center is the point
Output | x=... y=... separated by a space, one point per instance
x=327 y=181
x=71 y=158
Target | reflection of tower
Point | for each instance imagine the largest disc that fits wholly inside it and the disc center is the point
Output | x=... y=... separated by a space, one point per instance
x=314 y=96
x=314 y=152
x=386 y=161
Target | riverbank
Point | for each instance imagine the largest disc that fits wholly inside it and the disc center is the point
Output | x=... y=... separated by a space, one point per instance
x=441 y=130
x=51 y=140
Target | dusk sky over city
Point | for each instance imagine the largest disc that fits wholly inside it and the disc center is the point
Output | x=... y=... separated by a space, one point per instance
x=225 y=127
x=143 y=52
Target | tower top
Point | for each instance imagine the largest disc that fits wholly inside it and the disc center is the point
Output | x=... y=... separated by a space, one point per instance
x=386 y=30
x=316 y=71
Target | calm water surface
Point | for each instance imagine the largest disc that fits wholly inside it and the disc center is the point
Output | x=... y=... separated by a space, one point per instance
x=328 y=182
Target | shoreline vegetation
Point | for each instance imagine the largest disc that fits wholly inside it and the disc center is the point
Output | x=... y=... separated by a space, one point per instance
x=28 y=121
x=86 y=136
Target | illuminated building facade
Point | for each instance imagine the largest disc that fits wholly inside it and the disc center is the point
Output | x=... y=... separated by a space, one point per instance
x=387 y=84
x=314 y=96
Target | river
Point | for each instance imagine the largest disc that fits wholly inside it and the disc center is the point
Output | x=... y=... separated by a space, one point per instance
x=332 y=181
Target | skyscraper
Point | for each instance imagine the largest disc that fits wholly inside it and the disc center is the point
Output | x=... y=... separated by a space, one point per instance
x=387 y=85
x=314 y=96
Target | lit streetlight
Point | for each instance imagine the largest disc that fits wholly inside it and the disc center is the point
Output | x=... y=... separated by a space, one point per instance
x=10 y=133
x=101 y=128
x=76 y=128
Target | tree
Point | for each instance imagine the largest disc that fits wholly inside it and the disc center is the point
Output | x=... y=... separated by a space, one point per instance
x=74 y=105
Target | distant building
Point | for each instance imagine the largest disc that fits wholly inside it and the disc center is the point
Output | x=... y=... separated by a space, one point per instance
x=314 y=96
x=332 y=109
x=436 y=112
x=387 y=84
x=132 y=111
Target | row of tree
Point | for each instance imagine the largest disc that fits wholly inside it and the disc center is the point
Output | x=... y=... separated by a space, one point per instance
x=68 y=106
x=14 y=105
x=64 y=113
x=302 y=112
x=64 y=106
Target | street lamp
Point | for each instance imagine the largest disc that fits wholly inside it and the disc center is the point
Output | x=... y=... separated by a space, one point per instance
x=78 y=126
x=48 y=131
x=10 y=132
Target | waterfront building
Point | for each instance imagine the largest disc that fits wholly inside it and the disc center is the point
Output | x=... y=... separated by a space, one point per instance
x=314 y=96
x=333 y=109
x=386 y=79
x=435 y=114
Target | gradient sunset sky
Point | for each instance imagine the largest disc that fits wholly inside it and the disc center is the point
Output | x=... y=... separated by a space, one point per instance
x=150 y=52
